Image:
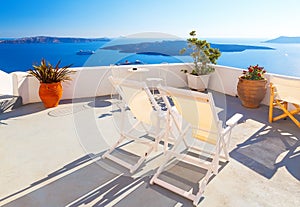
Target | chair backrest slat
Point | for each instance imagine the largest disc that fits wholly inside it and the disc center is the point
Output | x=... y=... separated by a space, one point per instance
x=286 y=89
x=198 y=110
x=137 y=97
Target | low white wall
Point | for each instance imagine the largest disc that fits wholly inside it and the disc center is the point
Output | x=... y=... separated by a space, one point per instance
x=6 y=87
x=93 y=81
x=225 y=80
x=26 y=87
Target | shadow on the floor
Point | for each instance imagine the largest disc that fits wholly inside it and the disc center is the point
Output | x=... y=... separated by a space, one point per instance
x=94 y=184
x=64 y=169
x=99 y=103
x=8 y=102
x=269 y=149
x=32 y=108
x=21 y=111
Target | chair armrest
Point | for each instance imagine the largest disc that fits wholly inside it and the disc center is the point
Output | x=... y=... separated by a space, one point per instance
x=234 y=119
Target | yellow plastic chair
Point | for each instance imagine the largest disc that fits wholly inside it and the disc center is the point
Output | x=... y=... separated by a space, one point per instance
x=202 y=126
x=284 y=93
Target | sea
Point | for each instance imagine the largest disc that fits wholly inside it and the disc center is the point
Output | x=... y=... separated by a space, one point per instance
x=283 y=60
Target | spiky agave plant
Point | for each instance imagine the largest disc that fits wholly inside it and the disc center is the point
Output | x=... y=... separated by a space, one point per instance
x=46 y=73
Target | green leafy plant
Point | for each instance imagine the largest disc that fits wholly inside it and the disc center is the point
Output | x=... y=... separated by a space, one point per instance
x=202 y=54
x=46 y=73
x=254 y=72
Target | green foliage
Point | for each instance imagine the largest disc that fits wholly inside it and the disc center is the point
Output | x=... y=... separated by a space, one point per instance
x=202 y=54
x=254 y=72
x=46 y=73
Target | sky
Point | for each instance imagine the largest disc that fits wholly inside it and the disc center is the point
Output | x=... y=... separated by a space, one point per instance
x=115 y=18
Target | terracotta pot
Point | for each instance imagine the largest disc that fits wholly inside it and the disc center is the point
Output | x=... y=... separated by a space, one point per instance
x=251 y=92
x=50 y=94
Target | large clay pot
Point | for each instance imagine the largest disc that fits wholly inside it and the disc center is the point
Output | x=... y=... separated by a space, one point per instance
x=50 y=94
x=251 y=92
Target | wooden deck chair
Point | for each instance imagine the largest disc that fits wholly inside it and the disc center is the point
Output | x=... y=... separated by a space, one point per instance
x=137 y=97
x=199 y=112
x=284 y=92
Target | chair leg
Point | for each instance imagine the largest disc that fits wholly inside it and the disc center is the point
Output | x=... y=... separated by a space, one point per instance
x=215 y=165
x=140 y=161
x=197 y=199
x=291 y=113
x=225 y=145
x=271 y=103
x=287 y=113
x=168 y=157
x=202 y=186
x=161 y=168
x=112 y=148
x=284 y=107
x=271 y=112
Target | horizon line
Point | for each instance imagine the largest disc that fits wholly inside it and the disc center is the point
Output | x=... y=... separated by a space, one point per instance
x=135 y=37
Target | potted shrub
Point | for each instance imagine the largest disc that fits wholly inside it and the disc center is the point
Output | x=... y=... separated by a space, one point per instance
x=50 y=77
x=203 y=56
x=252 y=86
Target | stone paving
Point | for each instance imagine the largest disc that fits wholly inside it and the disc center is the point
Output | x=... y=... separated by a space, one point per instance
x=52 y=157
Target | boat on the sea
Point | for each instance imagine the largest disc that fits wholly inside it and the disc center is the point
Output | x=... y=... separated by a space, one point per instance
x=136 y=62
x=85 y=52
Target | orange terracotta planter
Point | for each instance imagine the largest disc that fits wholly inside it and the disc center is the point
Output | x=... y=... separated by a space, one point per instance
x=251 y=92
x=50 y=94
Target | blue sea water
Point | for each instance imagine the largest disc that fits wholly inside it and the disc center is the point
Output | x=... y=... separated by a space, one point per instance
x=20 y=57
x=284 y=59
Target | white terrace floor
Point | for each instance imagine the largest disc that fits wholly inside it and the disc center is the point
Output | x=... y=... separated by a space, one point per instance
x=51 y=157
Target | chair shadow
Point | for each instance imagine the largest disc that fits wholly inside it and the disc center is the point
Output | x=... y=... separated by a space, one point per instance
x=147 y=195
x=181 y=174
x=64 y=169
x=21 y=111
x=263 y=149
x=262 y=152
x=291 y=161
x=11 y=103
x=93 y=184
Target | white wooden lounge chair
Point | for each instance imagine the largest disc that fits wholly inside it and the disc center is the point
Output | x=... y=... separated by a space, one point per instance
x=284 y=93
x=148 y=115
x=199 y=112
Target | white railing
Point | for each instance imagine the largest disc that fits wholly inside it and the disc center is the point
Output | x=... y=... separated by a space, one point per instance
x=6 y=87
x=93 y=81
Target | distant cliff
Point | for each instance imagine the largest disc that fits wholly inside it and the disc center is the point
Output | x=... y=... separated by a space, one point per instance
x=284 y=39
x=45 y=39
x=172 y=48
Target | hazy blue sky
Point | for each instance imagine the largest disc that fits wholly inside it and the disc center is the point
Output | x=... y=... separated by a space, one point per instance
x=114 y=18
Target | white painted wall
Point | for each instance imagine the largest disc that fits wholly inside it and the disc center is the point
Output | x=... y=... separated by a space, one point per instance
x=225 y=80
x=93 y=81
x=6 y=87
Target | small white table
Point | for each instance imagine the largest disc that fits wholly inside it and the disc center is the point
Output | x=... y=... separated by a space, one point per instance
x=153 y=80
x=154 y=83
x=138 y=71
